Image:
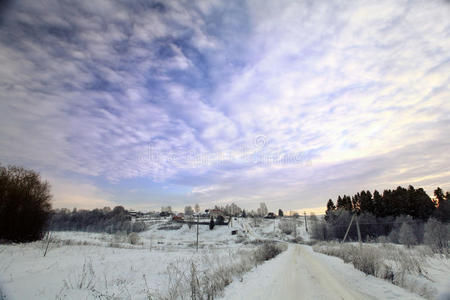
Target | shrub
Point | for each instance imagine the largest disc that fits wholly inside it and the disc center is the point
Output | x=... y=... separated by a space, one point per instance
x=120 y=237
x=268 y=250
x=287 y=227
x=138 y=227
x=298 y=239
x=393 y=236
x=319 y=230
x=437 y=235
x=406 y=235
x=24 y=204
x=134 y=238
x=170 y=226
x=368 y=261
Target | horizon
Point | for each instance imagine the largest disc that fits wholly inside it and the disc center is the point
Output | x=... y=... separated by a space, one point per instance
x=149 y=104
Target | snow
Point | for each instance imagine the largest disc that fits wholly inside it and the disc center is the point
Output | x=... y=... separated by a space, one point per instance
x=105 y=265
x=300 y=273
x=117 y=270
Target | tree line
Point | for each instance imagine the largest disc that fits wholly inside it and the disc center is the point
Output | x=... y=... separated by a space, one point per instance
x=96 y=220
x=393 y=203
x=404 y=215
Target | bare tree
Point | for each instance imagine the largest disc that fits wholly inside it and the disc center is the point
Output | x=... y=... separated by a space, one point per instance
x=24 y=204
x=166 y=209
x=406 y=235
x=437 y=235
x=197 y=208
x=264 y=210
x=188 y=211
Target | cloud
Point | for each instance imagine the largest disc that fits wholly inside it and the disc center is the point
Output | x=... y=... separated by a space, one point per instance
x=177 y=93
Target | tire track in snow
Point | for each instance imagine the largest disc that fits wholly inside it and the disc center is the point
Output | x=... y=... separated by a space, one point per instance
x=325 y=277
x=295 y=274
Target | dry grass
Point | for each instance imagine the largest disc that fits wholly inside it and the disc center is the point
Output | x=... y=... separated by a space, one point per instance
x=190 y=281
x=394 y=263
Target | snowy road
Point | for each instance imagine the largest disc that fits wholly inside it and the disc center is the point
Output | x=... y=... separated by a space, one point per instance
x=300 y=273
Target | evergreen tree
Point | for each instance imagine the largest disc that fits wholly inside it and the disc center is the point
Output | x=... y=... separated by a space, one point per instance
x=439 y=195
x=330 y=208
x=330 y=205
x=442 y=212
x=423 y=206
x=378 y=205
x=366 y=202
x=339 y=203
x=347 y=203
x=211 y=224
x=356 y=202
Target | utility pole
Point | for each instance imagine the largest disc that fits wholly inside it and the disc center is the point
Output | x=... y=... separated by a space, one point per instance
x=348 y=229
x=354 y=217
x=306 y=224
x=295 y=227
x=359 y=232
x=197 y=229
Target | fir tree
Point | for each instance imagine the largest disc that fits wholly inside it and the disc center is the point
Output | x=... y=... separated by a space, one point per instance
x=330 y=208
x=339 y=203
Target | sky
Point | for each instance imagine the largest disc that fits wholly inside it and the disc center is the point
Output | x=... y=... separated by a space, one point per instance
x=147 y=104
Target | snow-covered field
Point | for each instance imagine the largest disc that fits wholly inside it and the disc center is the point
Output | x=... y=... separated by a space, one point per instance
x=81 y=265
x=164 y=264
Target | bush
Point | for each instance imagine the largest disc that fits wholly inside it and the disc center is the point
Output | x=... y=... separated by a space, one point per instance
x=24 y=204
x=319 y=230
x=287 y=227
x=138 y=227
x=268 y=250
x=134 y=238
x=298 y=239
x=120 y=237
x=437 y=236
x=170 y=226
x=406 y=235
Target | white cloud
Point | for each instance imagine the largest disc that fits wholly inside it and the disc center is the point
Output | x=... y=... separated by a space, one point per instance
x=332 y=80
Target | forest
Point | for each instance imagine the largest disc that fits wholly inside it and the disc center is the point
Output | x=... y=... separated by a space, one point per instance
x=404 y=215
